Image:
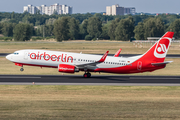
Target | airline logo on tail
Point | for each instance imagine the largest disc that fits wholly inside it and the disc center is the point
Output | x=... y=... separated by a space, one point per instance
x=162 y=48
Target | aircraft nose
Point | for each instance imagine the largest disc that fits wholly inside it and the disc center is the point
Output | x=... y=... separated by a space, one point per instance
x=8 y=57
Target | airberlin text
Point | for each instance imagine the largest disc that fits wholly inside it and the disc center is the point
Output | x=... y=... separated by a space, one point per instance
x=47 y=57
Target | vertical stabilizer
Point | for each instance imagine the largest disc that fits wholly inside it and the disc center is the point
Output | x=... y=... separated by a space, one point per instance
x=157 y=53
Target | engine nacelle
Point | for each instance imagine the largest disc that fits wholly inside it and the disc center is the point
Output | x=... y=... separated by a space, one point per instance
x=67 y=68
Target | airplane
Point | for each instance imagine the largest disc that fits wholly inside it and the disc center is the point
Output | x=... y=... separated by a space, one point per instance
x=68 y=62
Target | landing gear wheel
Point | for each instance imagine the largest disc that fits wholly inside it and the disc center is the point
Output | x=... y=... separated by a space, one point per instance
x=87 y=75
x=22 y=69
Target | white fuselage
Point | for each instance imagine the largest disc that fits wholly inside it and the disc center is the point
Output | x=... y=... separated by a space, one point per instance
x=54 y=58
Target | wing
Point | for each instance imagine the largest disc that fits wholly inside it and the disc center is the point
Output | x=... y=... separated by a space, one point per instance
x=93 y=65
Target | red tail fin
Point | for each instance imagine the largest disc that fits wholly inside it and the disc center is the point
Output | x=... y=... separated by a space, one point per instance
x=158 y=51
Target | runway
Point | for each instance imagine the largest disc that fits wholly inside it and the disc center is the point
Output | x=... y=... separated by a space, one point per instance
x=107 y=80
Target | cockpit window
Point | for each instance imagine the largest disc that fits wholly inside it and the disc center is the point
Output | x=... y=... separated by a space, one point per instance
x=16 y=53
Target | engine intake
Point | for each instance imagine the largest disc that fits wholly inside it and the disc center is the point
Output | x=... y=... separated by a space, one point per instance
x=67 y=68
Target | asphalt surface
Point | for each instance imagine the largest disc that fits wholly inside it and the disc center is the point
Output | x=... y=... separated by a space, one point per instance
x=4 y=54
x=94 y=80
x=124 y=55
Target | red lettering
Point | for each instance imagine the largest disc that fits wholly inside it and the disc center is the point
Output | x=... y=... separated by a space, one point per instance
x=40 y=56
x=70 y=57
x=48 y=56
x=58 y=58
x=63 y=59
x=53 y=57
x=33 y=56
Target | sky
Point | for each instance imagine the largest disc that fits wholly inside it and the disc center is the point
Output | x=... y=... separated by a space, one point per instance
x=84 y=6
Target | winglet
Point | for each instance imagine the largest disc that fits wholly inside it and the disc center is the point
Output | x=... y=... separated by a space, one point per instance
x=117 y=53
x=104 y=57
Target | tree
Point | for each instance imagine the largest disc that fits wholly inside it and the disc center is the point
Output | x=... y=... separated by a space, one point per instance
x=12 y=15
x=73 y=29
x=104 y=34
x=61 y=29
x=94 y=27
x=125 y=28
x=88 y=37
x=139 y=31
x=38 y=12
x=0 y=28
x=28 y=19
x=153 y=27
x=7 y=29
x=83 y=29
x=175 y=27
x=159 y=27
x=23 y=32
x=112 y=28
x=44 y=30
x=50 y=21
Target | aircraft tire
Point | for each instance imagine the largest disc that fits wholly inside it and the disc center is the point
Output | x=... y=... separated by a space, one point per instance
x=85 y=75
x=88 y=75
x=22 y=69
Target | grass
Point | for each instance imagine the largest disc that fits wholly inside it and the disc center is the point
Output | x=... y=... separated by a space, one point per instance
x=95 y=47
x=89 y=102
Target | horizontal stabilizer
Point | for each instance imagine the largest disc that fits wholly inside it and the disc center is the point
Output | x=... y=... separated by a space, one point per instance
x=161 y=63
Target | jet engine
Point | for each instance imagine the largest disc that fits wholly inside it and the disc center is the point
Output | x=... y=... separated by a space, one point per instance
x=67 y=68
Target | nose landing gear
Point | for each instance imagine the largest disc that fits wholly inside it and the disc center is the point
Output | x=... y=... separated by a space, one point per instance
x=22 y=69
x=87 y=75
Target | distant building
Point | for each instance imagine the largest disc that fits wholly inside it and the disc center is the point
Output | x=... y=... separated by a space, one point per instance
x=108 y=10
x=130 y=10
x=31 y=9
x=114 y=10
x=117 y=10
x=49 y=10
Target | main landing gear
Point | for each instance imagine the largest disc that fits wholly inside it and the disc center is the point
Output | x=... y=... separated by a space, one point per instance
x=22 y=69
x=87 y=75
